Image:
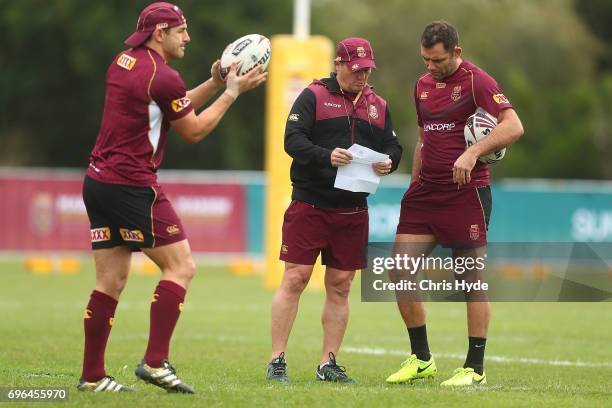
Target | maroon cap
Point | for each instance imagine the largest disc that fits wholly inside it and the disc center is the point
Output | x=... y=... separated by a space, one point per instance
x=356 y=52
x=160 y=14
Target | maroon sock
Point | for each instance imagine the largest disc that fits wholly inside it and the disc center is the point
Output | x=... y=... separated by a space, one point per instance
x=98 y=320
x=166 y=308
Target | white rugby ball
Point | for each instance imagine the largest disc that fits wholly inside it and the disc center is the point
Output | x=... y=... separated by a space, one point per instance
x=246 y=52
x=478 y=127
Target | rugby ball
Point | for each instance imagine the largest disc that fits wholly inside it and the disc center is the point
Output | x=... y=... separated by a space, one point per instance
x=479 y=126
x=246 y=52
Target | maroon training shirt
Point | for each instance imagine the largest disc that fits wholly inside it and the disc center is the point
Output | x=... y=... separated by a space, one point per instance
x=442 y=109
x=143 y=94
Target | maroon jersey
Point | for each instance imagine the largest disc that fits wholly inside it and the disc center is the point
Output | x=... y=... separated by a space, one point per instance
x=143 y=94
x=442 y=109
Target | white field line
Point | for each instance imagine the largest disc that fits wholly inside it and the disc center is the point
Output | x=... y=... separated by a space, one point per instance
x=497 y=359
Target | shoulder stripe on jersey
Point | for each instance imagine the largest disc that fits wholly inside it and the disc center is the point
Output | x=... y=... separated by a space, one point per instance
x=153 y=75
x=472 y=81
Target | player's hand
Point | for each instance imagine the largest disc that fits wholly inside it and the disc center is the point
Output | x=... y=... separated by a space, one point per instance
x=463 y=167
x=382 y=168
x=340 y=157
x=215 y=74
x=239 y=84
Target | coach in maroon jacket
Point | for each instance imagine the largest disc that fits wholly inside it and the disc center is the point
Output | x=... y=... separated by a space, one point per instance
x=126 y=206
x=327 y=118
x=449 y=199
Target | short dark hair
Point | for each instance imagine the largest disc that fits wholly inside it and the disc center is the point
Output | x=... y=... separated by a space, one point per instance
x=440 y=31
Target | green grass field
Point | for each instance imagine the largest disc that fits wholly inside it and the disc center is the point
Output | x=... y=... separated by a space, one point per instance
x=539 y=354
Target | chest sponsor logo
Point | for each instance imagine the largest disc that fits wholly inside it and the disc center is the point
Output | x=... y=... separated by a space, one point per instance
x=332 y=105
x=424 y=95
x=100 y=234
x=373 y=112
x=180 y=104
x=500 y=98
x=439 y=127
x=440 y=85
x=361 y=52
x=294 y=117
x=126 y=62
x=474 y=232
x=131 y=235
x=173 y=229
x=456 y=94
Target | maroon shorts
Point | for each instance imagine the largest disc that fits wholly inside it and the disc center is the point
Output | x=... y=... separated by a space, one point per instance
x=456 y=218
x=138 y=217
x=340 y=234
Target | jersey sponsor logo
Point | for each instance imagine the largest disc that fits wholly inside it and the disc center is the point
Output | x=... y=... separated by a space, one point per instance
x=373 y=112
x=500 y=98
x=456 y=94
x=361 y=52
x=424 y=95
x=126 y=62
x=87 y=314
x=294 y=117
x=131 y=235
x=100 y=234
x=440 y=85
x=173 y=229
x=180 y=104
x=474 y=232
x=332 y=105
x=439 y=126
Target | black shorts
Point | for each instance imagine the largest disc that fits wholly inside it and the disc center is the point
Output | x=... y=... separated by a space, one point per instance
x=138 y=217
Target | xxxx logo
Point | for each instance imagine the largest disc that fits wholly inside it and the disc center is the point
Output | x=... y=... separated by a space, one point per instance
x=180 y=104
x=100 y=234
x=131 y=235
x=87 y=314
x=180 y=307
x=155 y=296
x=126 y=62
x=111 y=320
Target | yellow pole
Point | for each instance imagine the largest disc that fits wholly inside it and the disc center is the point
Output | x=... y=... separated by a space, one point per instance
x=294 y=64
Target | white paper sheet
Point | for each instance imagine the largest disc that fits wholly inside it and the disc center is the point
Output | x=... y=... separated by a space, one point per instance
x=358 y=175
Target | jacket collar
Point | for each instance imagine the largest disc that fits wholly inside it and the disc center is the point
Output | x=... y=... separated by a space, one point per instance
x=332 y=85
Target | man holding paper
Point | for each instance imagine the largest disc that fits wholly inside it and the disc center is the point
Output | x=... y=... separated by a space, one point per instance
x=334 y=121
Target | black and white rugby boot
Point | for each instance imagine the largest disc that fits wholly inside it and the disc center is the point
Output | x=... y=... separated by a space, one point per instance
x=164 y=377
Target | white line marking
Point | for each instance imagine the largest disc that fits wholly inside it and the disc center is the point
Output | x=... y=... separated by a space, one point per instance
x=497 y=359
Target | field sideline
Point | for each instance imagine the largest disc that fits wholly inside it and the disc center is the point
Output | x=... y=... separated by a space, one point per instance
x=539 y=354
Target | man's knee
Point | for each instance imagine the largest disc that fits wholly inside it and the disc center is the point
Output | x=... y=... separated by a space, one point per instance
x=295 y=280
x=339 y=290
x=186 y=269
x=338 y=285
x=111 y=285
